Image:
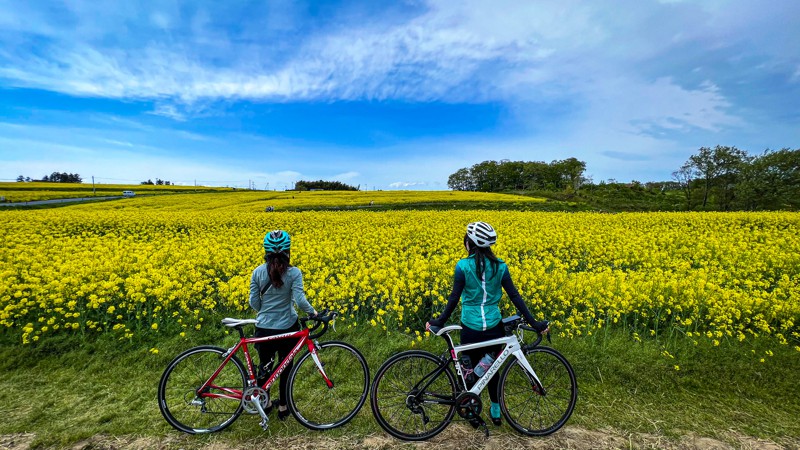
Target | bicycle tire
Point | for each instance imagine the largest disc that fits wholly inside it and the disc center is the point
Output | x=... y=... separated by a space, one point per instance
x=177 y=397
x=310 y=400
x=395 y=406
x=521 y=401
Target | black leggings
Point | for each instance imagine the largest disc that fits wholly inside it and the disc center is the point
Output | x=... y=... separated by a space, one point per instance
x=266 y=351
x=470 y=336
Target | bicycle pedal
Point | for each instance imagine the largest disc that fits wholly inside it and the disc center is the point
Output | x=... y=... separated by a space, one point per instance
x=264 y=424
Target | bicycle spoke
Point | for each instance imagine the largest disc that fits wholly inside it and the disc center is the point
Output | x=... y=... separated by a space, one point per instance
x=526 y=408
x=399 y=408
x=189 y=412
x=318 y=406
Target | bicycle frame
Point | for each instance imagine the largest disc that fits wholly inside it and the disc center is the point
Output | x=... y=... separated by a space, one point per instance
x=236 y=394
x=512 y=348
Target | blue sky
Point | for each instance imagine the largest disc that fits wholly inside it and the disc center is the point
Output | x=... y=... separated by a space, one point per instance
x=388 y=95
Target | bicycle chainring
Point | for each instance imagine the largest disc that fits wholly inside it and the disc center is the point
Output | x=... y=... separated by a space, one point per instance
x=469 y=405
x=247 y=399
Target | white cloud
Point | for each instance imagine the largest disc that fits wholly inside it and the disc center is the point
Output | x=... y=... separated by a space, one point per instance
x=470 y=52
x=407 y=184
x=426 y=58
x=660 y=106
x=170 y=111
x=120 y=143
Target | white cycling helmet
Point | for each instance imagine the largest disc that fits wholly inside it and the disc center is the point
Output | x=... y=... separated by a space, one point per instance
x=481 y=234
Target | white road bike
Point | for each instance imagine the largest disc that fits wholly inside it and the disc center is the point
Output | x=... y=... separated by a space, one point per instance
x=415 y=393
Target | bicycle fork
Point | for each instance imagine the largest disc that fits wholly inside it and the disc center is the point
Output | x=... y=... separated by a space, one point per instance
x=321 y=367
x=536 y=384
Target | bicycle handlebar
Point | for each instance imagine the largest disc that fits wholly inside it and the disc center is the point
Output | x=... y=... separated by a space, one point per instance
x=514 y=322
x=322 y=319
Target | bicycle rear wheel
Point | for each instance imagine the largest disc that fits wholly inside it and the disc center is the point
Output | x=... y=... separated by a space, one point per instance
x=527 y=407
x=312 y=402
x=177 y=391
x=401 y=408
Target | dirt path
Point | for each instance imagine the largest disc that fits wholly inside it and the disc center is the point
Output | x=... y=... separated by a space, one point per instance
x=455 y=437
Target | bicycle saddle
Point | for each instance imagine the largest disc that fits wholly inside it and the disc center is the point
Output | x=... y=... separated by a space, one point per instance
x=229 y=322
x=440 y=331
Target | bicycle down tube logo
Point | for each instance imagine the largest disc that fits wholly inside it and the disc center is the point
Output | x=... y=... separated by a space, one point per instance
x=493 y=369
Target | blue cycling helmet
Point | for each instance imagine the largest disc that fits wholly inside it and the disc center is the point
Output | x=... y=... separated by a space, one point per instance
x=277 y=241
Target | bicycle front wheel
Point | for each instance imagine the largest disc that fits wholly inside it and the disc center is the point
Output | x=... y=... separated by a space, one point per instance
x=399 y=404
x=312 y=402
x=190 y=412
x=538 y=410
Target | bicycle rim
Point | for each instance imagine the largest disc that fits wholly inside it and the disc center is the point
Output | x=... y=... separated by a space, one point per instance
x=402 y=410
x=531 y=410
x=312 y=402
x=177 y=398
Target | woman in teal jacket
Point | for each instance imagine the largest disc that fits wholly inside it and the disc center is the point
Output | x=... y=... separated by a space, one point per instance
x=275 y=287
x=480 y=279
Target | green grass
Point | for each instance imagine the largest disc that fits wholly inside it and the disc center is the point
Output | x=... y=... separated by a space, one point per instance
x=66 y=391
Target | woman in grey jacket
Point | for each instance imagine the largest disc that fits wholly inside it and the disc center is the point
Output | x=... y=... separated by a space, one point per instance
x=275 y=287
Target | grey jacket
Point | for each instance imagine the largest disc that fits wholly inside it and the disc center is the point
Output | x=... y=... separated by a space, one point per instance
x=275 y=309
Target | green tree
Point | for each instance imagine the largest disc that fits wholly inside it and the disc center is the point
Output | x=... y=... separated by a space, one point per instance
x=685 y=177
x=461 y=181
x=493 y=176
x=703 y=164
x=771 y=181
x=303 y=185
x=570 y=173
x=718 y=170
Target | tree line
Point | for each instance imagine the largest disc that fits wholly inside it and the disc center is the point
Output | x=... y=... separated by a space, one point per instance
x=159 y=182
x=727 y=178
x=64 y=177
x=720 y=178
x=505 y=175
x=55 y=177
x=303 y=185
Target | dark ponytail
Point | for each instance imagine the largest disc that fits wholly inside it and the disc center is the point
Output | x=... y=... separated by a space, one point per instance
x=482 y=254
x=277 y=264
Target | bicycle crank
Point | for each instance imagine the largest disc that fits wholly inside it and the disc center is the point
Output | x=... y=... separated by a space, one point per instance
x=255 y=399
x=247 y=399
x=469 y=406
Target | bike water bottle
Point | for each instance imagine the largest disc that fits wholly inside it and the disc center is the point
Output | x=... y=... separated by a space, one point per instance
x=483 y=365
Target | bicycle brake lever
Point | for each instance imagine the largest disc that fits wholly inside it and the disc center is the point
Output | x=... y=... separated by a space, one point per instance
x=549 y=340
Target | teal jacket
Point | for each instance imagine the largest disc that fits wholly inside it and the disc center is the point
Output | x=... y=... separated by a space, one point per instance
x=480 y=296
x=275 y=309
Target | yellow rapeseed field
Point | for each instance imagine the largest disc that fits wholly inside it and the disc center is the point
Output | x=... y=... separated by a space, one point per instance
x=175 y=263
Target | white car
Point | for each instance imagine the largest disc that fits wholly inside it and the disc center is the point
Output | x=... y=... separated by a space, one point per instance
x=128 y=193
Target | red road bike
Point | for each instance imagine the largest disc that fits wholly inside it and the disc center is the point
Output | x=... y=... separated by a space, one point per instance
x=206 y=388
